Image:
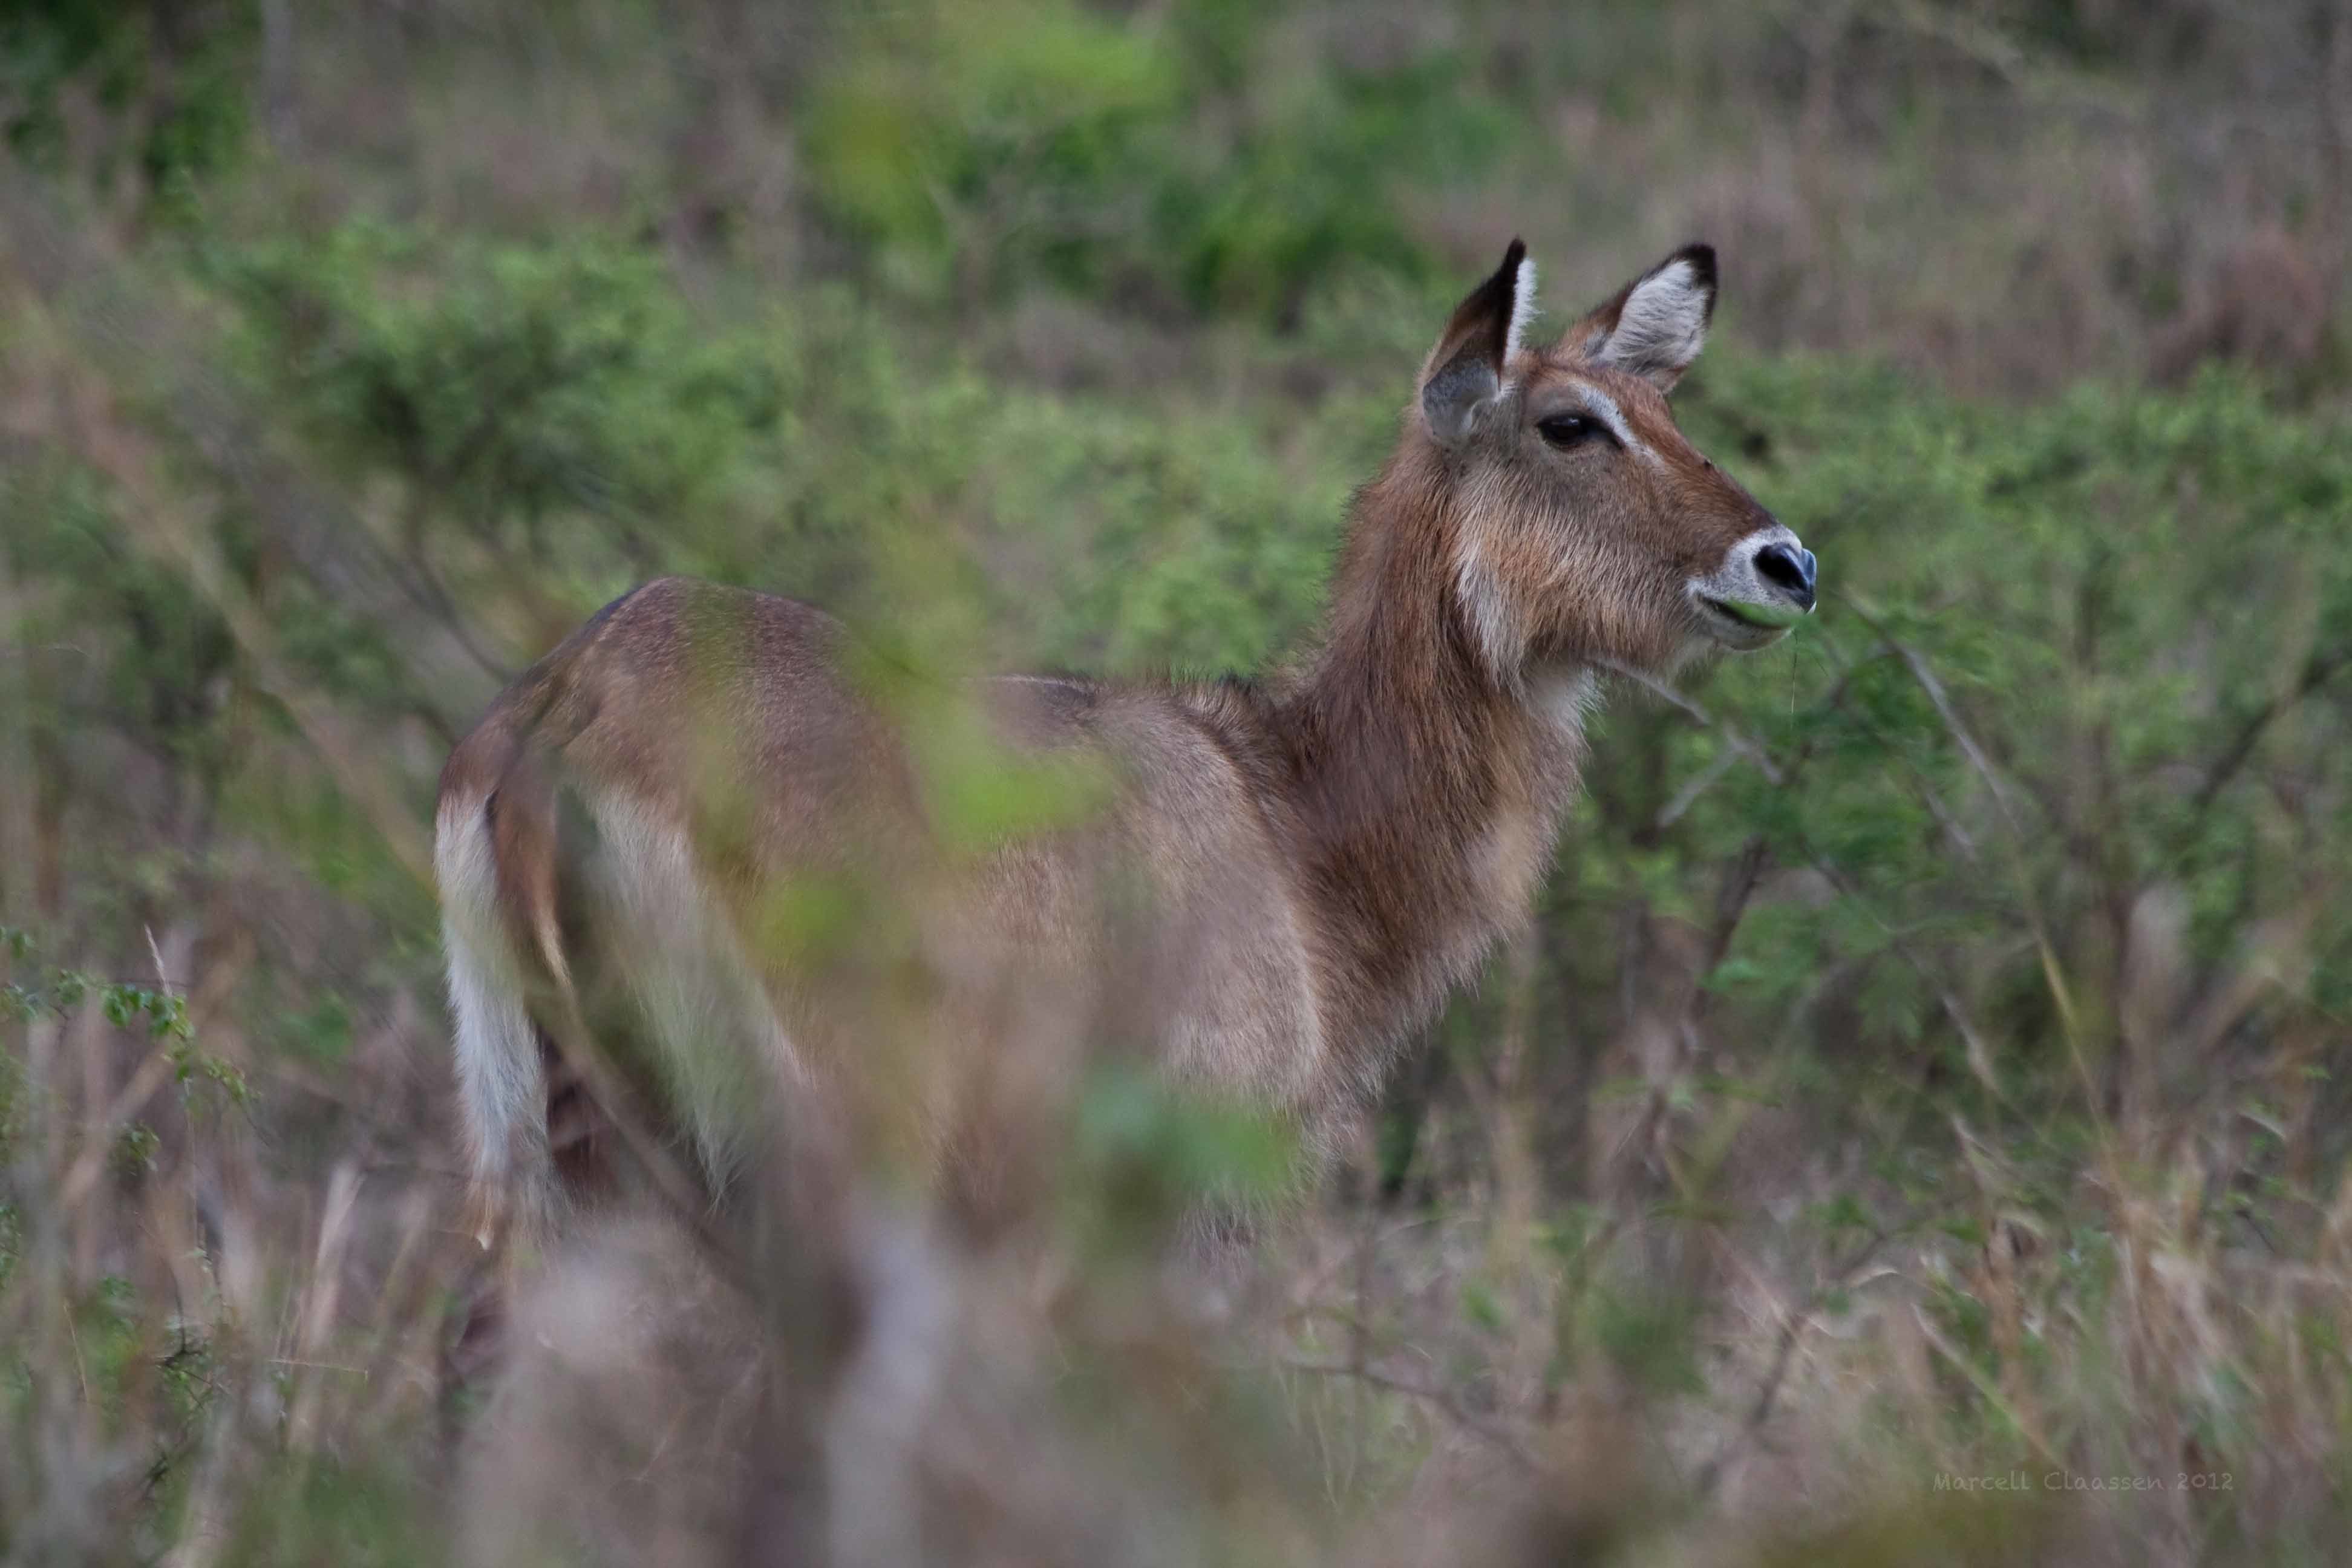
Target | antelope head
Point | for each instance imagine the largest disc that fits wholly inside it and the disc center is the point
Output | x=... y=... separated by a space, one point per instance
x=1585 y=528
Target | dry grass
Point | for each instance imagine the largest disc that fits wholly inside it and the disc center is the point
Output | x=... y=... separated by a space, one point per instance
x=233 y=1357
x=1626 y=1308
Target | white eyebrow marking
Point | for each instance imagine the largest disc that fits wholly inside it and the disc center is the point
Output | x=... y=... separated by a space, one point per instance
x=1603 y=407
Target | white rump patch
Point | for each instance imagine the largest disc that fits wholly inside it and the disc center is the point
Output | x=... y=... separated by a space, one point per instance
x=715 y=1031
x=502 y=1087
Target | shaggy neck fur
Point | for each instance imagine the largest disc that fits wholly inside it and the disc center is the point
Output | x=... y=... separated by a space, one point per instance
x=1428 y=791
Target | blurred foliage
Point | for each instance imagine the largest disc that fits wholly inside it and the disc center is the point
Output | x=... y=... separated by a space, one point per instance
x=1992 y=931
x=504 y=383
x=1044 y=143
x=172 y=81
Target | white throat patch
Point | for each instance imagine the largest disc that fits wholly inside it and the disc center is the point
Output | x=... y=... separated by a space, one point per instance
x=1487 y=608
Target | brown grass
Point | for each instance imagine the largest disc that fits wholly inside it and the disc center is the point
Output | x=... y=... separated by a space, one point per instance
x=1603 y=1326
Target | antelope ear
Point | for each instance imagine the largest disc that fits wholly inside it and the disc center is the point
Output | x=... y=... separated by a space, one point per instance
x=1655 y=325
x=1464 y=372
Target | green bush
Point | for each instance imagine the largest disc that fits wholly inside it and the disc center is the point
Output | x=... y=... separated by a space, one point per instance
x=505 y=383
x=977 y=148
x=1992 y=931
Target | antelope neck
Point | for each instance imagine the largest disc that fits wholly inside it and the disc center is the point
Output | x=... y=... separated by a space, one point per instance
x=1427 y=794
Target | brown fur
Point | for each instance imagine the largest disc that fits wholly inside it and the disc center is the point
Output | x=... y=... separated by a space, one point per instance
x=1286 y=877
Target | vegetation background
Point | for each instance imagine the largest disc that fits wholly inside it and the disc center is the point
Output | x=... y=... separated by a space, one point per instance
x=1930 y=1061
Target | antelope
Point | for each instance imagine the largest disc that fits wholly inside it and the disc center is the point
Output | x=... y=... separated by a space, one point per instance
x=1276 y=883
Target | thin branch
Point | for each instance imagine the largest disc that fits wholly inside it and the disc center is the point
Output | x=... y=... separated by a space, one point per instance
x=1925 y=675
x=1733 y=737
x=1700 y=783
x=1469 y=1420
x=1713 y=772
x=1784 y=1349
x=1985 y=1386
x=1979 y=1054
x=2321 y=669
x=2053 y=977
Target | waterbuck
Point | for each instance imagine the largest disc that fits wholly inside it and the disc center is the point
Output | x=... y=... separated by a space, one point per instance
x=696 y=869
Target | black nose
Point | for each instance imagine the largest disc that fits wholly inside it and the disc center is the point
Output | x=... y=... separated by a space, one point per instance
x=1790 y=568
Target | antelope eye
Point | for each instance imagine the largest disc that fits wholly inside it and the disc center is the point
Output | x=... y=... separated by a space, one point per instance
x=1565 y=431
